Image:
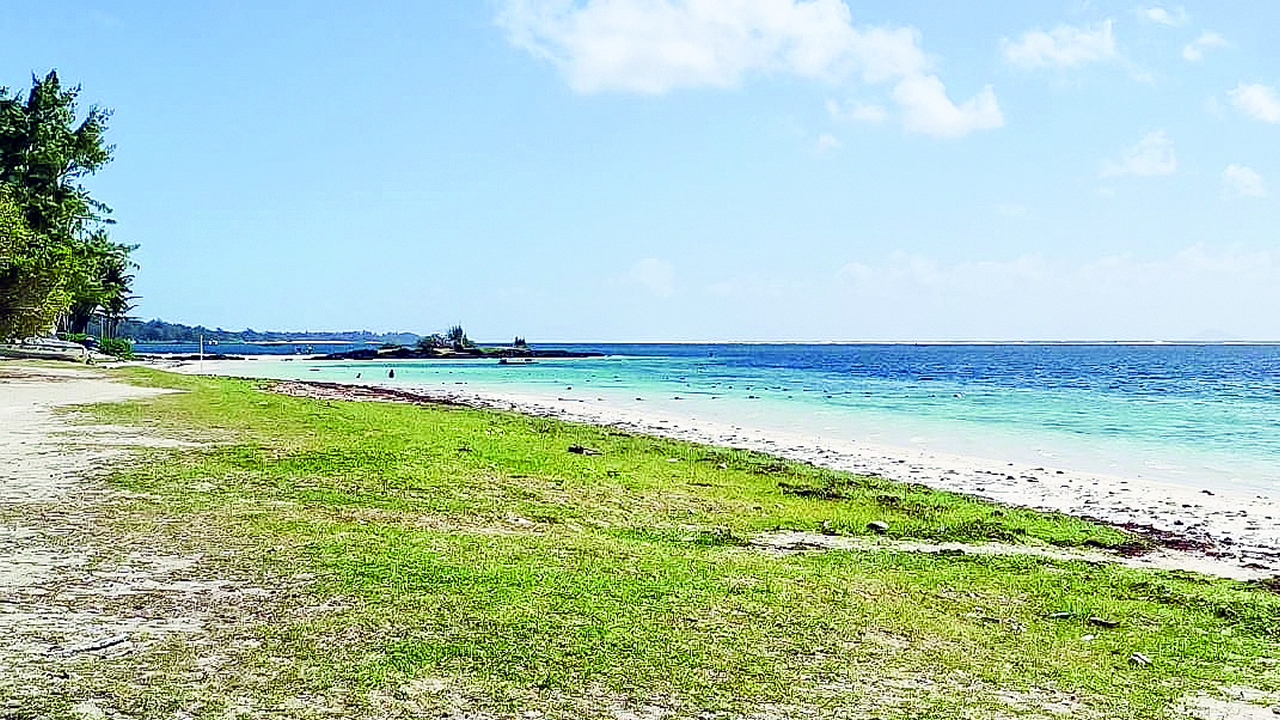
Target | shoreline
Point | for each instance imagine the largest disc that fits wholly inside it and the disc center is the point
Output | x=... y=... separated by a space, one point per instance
x=94 y=590
x=1222 y=532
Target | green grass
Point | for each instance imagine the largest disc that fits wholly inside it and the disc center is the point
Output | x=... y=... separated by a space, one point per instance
x=468 y=553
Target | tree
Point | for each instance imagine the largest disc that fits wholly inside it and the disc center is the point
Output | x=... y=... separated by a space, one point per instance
x=457 y=338
x=65 y=254
x=432 y=342
x=103 y=285
x=33 y=275
x=43 y=155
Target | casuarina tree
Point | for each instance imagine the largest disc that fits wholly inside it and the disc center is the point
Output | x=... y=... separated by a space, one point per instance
x=57 y=247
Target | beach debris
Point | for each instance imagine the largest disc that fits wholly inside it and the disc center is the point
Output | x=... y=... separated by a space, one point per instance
x=1139 y=659
x=1062 y=615
x=828 y=528
x=1103 y=622
x=583 y=450
x=93 y=646
x=878 y=526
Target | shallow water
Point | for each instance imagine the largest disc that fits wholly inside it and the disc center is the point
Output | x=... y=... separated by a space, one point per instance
x=1203 y=415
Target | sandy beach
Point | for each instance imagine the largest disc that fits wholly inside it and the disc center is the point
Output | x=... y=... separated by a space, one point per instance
x=1224 y=532
x=84 y=601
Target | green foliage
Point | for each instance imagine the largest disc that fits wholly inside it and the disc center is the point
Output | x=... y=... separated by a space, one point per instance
x=457 y=338
x=43 y=155
x=119 y=347
x=103 y=283
x=64 y=259
x=432 y=342
x=468 y=549
x=454 y=338
x=34 y=275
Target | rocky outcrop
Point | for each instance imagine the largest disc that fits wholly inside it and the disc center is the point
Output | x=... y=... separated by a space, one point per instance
x=404 y=353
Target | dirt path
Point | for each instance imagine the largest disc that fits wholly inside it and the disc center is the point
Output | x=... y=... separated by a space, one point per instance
x=81 y=602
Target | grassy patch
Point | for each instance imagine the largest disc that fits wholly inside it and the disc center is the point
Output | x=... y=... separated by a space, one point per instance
x=466 y=557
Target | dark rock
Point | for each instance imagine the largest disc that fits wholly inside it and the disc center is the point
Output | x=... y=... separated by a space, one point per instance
x=1104 y=622
x=404 y=353
x=878 y=526
x=583 y=450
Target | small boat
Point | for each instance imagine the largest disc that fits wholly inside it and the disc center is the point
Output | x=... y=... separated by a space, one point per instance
x=44 y=349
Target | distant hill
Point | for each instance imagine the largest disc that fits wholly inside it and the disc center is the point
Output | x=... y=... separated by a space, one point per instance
x=159 y=331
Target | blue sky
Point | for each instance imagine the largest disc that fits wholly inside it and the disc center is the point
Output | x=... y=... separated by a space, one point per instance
x=687 y=169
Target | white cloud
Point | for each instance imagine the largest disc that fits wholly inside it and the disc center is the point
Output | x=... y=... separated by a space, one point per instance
x=655 y=46
x=1153 y=155
x=825 y=142
x=1257 y=101
x=858 y=112
x=652 y=46
x=1162 y=16
x=656 y=276
x=927 y=109
x=1194 y=51
x=1243 y=181
x=1064 y=46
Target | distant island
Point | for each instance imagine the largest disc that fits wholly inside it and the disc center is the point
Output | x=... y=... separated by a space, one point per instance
x=455 y=345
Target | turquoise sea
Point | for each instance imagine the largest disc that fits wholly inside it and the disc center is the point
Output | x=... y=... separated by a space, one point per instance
x=1203 y=415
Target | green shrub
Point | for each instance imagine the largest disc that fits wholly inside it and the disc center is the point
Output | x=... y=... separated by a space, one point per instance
x=119 y=347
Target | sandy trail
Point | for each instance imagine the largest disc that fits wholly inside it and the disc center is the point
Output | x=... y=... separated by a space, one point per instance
x=72 y=591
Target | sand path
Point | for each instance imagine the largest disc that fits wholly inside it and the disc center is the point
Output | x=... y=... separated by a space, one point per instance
x=75 y=592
